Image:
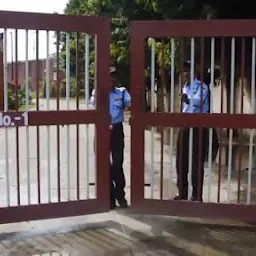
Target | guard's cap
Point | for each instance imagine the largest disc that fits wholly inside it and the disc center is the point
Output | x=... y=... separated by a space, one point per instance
x=187 y=65
x=112 y=70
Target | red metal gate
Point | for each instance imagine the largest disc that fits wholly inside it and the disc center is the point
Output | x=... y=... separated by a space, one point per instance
x=45 y=165
x=230 y=192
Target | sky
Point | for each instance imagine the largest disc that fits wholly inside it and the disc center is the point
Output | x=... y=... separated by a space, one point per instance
x=45 y=6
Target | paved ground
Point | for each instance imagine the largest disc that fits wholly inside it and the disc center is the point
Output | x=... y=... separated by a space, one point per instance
x=114 y=233
x=117 y=234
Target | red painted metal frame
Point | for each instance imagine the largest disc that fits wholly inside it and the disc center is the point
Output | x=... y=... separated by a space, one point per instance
x=100 y=27
x=1 y=81
x=141 y=30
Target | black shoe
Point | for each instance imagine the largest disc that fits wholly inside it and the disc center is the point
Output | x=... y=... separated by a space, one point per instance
x=194 y=199
x=122 y=203
x=112 y=205
x=178 y=197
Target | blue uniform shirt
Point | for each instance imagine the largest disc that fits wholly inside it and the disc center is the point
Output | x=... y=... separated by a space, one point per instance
x=196 y=90
x=118 y=98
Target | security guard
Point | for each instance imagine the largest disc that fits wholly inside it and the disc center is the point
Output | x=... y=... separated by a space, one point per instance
x=119 y=99
x=182 y=160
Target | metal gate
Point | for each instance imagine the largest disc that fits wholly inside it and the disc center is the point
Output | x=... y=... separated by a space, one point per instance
x=47 y=159
x=227 y=46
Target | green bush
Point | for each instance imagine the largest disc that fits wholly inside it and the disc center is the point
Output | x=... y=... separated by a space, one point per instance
x=11 y=100
x=21 y=98
x=73 y=89
x=53 y=90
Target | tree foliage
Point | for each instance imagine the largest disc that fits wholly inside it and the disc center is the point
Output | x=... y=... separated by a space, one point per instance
x=122 y=12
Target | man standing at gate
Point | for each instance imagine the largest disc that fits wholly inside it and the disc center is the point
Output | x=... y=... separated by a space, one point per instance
x=194 y=100
x=119 y=99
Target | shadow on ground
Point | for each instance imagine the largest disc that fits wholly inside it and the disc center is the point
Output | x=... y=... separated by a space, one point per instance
x=209 y=239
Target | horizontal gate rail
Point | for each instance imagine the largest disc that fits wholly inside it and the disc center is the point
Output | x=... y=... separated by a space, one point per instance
x=51 y=210
x=186 y=28
x=56 y=22
x=195 y=209
x=199 y=120
x=51 y=117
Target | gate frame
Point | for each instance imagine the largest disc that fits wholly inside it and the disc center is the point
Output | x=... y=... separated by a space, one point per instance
x=100 y=27
x=140 y=30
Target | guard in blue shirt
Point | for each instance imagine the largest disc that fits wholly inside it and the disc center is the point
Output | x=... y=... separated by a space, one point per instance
x=198 y=93
x=119 y=99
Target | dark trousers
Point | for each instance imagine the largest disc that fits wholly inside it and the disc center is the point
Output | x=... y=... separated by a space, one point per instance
x=117 y=178
x=182 y=162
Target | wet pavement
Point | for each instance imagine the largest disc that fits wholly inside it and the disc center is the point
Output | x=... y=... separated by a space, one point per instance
x=117 y=234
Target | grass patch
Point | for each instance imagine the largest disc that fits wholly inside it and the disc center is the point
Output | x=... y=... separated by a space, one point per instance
x=23 y=107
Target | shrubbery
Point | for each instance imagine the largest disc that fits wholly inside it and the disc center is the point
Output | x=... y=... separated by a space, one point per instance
x=53 y=89
x=21 y=100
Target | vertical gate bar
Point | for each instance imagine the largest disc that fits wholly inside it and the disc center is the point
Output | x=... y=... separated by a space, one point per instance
x=232 y=80
x=172 y=105
x=223 y=82
x=87 y=98
x=58 y=109
x=181 y=66
x=5 y=52
x=137 y=128
x=162 y=163
x=6 y=129
x=201 y=74
x=96 y=106
x=192 y=71
x=27 y=91
x=2 y=73
x=48 y=108
x=68 y=107
x=249 y=178
x=102 y=64
x=211 y=110
x=162 y=128
x=152 y=92
x=17 y=109
x=179 y=161
x=200 y=149
x=241 y=111
x=78 y=78
x=37 y=127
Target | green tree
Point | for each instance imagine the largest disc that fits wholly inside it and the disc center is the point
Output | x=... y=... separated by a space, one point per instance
x=122 y=12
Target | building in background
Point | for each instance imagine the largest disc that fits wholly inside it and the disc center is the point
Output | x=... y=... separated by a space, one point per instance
x=32 y=72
